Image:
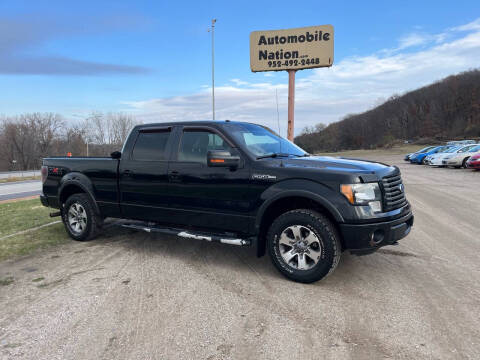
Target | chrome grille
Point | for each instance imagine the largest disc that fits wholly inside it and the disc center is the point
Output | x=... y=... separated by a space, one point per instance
x=393 y=192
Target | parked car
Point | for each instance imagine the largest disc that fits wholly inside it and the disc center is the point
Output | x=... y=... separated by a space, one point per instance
x=408 y=156
x=474 y=162
x=420 y=158
x=235 y=183
x=436 y=159
x=460 y=157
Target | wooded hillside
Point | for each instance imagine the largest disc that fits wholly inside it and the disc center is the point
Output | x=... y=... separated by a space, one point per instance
x=447 y=109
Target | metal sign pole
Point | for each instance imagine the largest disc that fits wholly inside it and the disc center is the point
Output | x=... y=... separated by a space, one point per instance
x=291 y=103
x=213 y=68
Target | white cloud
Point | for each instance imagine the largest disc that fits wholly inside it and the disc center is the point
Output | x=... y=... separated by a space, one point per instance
x=352 y=85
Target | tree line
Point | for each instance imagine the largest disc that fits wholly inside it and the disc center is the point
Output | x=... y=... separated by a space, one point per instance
x=26 y=139
x=447 y=109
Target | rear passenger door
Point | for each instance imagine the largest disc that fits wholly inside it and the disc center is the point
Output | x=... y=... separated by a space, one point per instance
x=143 y=177
x=203 y=196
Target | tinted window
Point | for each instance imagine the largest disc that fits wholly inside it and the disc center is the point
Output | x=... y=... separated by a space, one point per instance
x=195 y=145
x=151 y=146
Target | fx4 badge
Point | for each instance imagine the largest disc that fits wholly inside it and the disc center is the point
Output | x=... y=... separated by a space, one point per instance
x=263 y=177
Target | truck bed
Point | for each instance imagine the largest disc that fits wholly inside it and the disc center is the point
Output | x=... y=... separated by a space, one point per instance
x=102 y=172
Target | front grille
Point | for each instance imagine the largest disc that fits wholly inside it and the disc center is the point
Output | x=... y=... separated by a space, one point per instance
x=393 y=192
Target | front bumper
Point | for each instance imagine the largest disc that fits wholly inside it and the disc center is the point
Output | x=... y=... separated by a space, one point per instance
x=362 y=239
x=473 y=165
x=435 y=162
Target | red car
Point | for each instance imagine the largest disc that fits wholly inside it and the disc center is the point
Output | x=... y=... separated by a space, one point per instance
x=474 y=162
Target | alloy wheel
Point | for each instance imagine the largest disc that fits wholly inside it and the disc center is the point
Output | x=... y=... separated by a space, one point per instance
x=77 y=218
x=299 y=247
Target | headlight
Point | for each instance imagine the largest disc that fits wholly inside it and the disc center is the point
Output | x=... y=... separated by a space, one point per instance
x=363 y=194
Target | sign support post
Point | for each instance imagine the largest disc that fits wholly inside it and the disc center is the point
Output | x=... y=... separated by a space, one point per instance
x=291 y=103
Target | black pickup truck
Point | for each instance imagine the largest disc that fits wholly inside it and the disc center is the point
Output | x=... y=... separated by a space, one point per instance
x=235 y=183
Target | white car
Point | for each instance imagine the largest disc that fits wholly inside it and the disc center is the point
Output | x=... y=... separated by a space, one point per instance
x=459 y=157
x=436 y=159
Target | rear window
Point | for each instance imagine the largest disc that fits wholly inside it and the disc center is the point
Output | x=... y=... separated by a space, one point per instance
x=151 y=146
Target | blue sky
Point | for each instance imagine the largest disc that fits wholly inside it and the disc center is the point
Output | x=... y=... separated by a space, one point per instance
x=152 y=58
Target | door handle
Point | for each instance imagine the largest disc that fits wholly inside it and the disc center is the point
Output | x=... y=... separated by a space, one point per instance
x=127 y=173
x=174 y=175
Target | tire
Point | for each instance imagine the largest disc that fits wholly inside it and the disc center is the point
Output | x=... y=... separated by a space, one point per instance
x=88 y=222
x=464 y=163
x=308 y=263
x=424 y=161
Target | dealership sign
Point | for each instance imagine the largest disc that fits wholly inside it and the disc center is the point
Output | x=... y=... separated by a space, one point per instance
x=291 y=49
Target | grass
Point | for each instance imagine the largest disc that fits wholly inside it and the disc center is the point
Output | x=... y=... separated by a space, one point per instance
x=16 y=178
x=24 y=244
x=6 y=281
x=23 y=215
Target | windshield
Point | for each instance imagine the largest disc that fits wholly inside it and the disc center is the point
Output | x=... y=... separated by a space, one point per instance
x=465 y=149
x=260 y=141
x=424 y=150
x=452 y=149
x=442 y=149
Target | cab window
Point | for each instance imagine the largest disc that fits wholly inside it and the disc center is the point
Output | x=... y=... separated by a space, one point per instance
x=151 y=146
x=195 y=144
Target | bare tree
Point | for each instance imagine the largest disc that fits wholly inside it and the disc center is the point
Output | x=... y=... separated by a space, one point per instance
x=447 y=109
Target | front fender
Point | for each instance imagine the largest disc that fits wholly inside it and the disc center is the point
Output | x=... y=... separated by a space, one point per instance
x=319 y=193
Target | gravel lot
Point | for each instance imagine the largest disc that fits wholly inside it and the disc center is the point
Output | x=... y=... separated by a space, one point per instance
x=130 y=295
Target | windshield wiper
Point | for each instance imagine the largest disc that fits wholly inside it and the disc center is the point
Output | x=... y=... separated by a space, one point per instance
x=273 y=155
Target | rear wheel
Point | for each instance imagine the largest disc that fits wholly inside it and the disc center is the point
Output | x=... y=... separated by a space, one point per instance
x=80 y=218
x=464 y=162
x=304 y=245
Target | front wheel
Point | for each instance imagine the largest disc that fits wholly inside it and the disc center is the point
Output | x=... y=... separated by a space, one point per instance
x=80 y=218
x=304 y=245
x=464 y=163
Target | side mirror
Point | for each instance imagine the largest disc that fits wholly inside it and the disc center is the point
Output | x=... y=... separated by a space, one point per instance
x=222 y=158
x=116 y=155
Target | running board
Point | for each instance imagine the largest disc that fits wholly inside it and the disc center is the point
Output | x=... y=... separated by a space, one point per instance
x=189 y=234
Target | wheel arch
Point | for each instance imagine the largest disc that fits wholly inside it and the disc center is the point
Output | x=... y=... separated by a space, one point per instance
x=76 y=183
x=291 y=200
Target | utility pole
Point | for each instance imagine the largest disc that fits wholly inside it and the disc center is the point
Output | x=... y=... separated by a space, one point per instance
x=213 y=67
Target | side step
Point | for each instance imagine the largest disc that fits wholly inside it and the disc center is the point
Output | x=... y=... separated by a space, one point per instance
x=189 y=234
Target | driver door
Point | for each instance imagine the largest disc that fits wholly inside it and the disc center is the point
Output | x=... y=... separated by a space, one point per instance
x=203 y=196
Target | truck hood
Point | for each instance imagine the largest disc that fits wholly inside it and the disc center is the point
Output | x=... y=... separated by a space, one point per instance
x=337 y=164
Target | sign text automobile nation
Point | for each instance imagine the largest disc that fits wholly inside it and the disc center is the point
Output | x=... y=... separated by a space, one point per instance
x=291 y=49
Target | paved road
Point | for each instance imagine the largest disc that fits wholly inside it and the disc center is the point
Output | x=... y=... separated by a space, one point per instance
x=20 y=189
x=134 y=295
x=7 y=174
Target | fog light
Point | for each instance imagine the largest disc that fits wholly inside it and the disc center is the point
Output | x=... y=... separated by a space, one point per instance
x=376 y=206
x=377 y=237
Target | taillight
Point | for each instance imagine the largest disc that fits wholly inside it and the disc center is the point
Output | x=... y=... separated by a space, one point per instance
x=44 y=172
